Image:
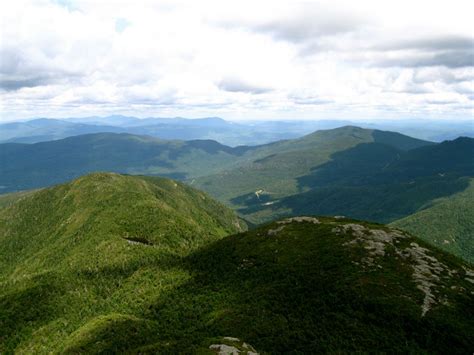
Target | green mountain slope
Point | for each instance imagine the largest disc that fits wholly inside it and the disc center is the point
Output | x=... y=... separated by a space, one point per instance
x=103 y=243
x=112 y=263
x=150 y=210
x=456 y=156
x=360 y=173
x=58 y=161
x=43 y=129
x=214 y=128
x=8 y=199
x=324 y=285
x=447 y=223
x=371 y=181
x=276 y=174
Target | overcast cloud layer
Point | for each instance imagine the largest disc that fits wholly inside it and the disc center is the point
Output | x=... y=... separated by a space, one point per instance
x=237 y=59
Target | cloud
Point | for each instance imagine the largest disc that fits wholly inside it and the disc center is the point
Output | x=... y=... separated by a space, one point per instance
x=296 y=21
x=449 y=59
x=23 y=68
x=438 y=43
x=441 y=102
x=447 y=51
x=309 y=100
x=245 y=59
x=443 y=74
x=237 y=85
x=309 y=25
x=453 y=59
x=432 y=43
x=16 y=84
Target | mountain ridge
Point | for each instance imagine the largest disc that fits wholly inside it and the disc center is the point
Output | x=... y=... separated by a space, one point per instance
x=126 y=153
x=110 y=263
x=368 y=169
x=359 y=173
x=231 y=133
x=102 y=201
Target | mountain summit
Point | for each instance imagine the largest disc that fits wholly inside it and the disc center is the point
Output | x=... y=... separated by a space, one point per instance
x=96 y=212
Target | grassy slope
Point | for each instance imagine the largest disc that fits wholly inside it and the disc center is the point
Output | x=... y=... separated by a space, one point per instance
x=447 y=223
x=8 y=199
x=66 y=260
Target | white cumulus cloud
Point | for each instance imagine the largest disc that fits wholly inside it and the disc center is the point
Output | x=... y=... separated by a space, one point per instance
x=237 y=59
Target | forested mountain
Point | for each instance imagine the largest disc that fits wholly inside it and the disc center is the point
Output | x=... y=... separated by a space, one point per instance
x=233 y=133
x=359 y=173
x=369 y=181
x=57 y=161
x=209 y=128
x=53 y=162
x=113 y=263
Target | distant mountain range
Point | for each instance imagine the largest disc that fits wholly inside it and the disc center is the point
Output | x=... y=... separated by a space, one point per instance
x=360 y=173
x=123 y=264
x=56 y=161
x=214 y=128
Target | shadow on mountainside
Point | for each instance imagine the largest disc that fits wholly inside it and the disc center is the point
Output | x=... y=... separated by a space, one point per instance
x=278 y=293
x=373 y=181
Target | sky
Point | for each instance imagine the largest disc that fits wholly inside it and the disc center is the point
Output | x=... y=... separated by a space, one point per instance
x=240 y=60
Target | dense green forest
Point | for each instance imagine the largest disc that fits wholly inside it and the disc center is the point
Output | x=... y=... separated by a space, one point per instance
x=446 y=222
x=112 y=263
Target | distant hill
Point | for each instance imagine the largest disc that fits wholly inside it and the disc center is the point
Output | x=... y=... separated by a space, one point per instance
x=45 y=129
x=57 y=161
x=177 y=128
x=369 y=181
x=232 y=133
x=277 y=173
x=446 y=222
x=449 y=156
x=112 y=263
